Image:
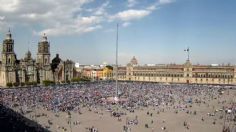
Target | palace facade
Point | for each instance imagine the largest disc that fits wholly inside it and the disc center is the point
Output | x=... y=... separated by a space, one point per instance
x=173 y=73
x=28 y=69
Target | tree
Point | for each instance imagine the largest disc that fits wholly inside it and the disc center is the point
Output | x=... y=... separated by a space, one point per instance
x=75 y=79
x=16 y=84
x=85 y=79
x=109 y=67
x=9 y=84
x=22 y=84
x=48 y=82
x=28 y=83
x=34 y=83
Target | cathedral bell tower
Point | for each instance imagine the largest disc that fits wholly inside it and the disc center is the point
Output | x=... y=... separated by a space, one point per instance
x=43 y=55
x=8 y=54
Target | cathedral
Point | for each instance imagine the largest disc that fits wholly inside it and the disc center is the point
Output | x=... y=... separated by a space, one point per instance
x=29 y=70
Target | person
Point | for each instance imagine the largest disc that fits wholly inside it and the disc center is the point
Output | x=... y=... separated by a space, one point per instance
x=73 y=97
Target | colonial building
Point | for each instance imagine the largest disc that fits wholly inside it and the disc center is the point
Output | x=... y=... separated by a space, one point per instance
x=97 y=72
x=173 y=73
x=28 y=69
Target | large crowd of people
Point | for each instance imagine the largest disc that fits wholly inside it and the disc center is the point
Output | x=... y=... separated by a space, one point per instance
x=11 y=121
x=133 y=96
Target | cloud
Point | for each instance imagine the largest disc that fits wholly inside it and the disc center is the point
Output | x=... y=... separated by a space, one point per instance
x=102 y=9
x=152 y=7
x=68 y=30
x=159 y=3
x=78 y=26
x=64 y=17
x=132 y=3
x=90 y=29
x=131 y=14
x=2 y=18
x=9 y=5
x=135 y=14
x=2 y=23
x=165 y=1
x=53 y=16
x=88 y=20
x=126 y=24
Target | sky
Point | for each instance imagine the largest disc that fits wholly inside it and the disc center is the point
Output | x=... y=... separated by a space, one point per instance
x=154 y=31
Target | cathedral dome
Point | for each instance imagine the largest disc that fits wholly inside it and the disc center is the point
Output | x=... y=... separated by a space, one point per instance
x=134 y=61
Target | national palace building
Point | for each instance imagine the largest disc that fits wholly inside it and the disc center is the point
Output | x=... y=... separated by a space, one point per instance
x=28 y=69
x=173 y=73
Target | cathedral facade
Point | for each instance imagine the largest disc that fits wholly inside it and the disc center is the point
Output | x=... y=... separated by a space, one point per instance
x=28 y=70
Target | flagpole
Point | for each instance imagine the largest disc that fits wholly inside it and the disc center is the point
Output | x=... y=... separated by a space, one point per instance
x=188 y=53
x=117 y=61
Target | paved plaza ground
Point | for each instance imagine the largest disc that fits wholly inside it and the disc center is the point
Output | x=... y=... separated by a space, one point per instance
x=202 y=114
